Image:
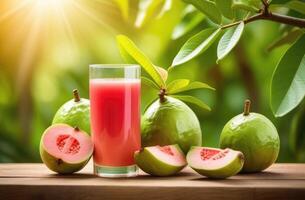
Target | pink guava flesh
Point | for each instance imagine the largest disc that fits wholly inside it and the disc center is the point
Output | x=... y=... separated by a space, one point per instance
x=67 y=143
x=168 y=154
x=211 y=158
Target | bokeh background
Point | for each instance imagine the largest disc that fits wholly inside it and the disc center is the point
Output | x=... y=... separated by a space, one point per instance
x=46 y=47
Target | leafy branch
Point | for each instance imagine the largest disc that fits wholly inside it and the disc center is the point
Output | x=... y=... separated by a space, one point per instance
x=287 y=84
x=157 y=76
x=266 y=14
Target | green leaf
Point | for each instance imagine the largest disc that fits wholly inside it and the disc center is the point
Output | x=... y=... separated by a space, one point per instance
x=208 y=8
x=149 y=83
x=130 y=51
x=124 y=7
x=244 y=6
x=229 y=40
x=225 y=7
x=163 y=73
x=177 y=84
x=150 y=9
x=288 y=80
x=192 y=86
x=287 y=38
x=298 y=6
x=189 y=20
x=192 y=100
x=196 y=45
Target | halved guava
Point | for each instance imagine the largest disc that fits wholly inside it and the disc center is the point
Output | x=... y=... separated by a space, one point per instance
x=215 y=163
x=65 y=149
x=161 y=161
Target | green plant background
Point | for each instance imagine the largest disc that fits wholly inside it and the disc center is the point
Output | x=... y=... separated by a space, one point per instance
x=38 y=73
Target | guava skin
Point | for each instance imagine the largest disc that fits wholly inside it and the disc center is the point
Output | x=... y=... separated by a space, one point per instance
x=170 y=122
x=58 y=165
x=151 y=165
x=256 y=137
x=75 y=114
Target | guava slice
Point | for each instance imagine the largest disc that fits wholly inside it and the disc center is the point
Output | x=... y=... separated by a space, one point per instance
x=215 y=163
x=75 y=112
x=65 y=149
x=161 y=160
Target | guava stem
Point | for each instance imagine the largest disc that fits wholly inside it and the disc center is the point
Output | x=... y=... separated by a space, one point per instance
x=162 y=94
x=76 y=95
x=247 y=106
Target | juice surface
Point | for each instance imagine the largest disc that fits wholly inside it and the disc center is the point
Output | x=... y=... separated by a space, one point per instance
x=115 y=120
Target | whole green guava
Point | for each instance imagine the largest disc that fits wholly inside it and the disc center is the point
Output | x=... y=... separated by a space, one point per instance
x=255 y=136
x=170 y=121
x=75 y=113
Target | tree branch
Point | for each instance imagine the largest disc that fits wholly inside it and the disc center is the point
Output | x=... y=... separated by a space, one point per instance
x=265 y=14
x=293 y=21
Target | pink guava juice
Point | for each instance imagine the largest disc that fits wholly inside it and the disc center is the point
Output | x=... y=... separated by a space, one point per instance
x=115 y=120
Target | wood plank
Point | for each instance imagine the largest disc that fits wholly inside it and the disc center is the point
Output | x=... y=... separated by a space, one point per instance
x=35 y=181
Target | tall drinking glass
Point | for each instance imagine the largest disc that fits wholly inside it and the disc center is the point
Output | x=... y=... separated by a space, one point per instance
x=115 y=118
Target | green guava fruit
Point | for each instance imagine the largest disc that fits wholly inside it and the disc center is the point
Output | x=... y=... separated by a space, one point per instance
x=170 y=121
x=65 y=149
x=160 y=161
x=75 y=112
x=215 y=163
x=255 y=136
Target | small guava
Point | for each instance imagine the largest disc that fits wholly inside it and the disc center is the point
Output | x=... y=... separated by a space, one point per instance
x=75 y=112
x=160 y=161
x=65 y=149
x=170 y=121
x=215 y=163
x=255 y=136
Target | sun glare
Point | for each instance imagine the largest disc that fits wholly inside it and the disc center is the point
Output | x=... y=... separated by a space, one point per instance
x=38 y=26
x=49 y=3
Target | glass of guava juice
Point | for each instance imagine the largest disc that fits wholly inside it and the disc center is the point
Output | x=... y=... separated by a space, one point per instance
x=115 y=118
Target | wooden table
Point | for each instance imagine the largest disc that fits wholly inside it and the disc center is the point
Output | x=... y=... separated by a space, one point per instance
x=35 y=181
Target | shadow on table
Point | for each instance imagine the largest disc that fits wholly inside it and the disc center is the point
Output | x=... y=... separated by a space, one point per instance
x=248 y=176
x=76 y=175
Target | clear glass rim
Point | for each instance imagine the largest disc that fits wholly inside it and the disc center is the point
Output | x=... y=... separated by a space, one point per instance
x=114 y=66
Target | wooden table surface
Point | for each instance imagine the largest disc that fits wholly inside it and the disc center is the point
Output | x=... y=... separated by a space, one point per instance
x=35 y=181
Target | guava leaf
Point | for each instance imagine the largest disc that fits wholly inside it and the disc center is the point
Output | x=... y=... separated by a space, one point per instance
x=124 y=7
x=225 y=7
x=298 y=6
x=196 y=45
x=129 y=50
x=287 y=38
x=244 y=6
x=162 y=72
x=208 y=8
x=176 y=85
x=150 y=9
x=149 y=83
x=229 y=40
x=192 y=86
x=288 y=80
x=189 y=20
x=192 y=100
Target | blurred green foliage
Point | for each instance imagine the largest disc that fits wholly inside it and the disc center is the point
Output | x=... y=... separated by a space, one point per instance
x=45 y=54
